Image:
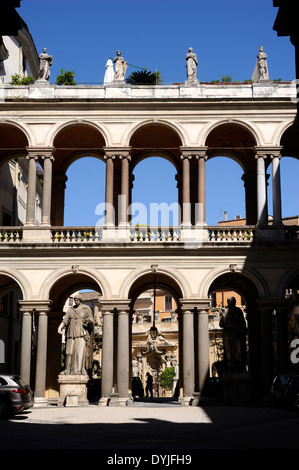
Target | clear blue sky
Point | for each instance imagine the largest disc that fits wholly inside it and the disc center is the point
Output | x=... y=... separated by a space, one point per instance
x=156 y=34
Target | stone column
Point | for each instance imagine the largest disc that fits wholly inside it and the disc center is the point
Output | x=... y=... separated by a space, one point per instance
x=41 y=358
x=262 y=210
x=188 y=353
x=203 y=348
x=201 y=197
x=59 y=185
x=276 y=188
x=26 y=343
x=283 y=354
x=266 y=348
x=31 y=192
x=125 y=188
x=123 y=366
x=47 y=189
x=186 y=190
x=107 y=356
x=109 y=192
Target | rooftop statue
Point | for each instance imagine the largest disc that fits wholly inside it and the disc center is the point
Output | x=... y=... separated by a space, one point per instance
x=45 y=63
x=192 y=62
x=109 y=72
x=261 y=67
x=120 y=67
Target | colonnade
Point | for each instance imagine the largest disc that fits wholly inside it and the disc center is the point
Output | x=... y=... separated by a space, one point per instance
x=262 y=154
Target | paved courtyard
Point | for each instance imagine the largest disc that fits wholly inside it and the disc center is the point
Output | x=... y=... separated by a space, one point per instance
x=152 y=428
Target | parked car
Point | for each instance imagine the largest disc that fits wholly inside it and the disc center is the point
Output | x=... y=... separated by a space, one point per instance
x=15 y=395
x=291 y=393
x=278 y=385
x=285 y=389
x=137 y=388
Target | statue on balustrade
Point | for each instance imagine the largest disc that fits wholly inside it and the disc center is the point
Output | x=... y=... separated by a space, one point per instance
x=234 y=337
x=191 y=59
x=45 y=63
x=78 y=325
x=261 y=68
x=120 y=67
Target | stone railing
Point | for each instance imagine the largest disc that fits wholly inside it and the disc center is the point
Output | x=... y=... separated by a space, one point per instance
x=11 y=234
x=244 y=234
x=76 y=234
x=157 y=234
x=141 y=235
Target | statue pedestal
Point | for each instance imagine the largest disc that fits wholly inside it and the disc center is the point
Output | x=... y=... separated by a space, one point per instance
x=73 y=390
x=236 y=388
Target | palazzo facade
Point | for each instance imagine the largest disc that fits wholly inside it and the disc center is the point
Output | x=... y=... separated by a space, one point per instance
x=254 y=124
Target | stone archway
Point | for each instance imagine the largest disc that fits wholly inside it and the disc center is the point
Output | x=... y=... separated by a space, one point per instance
x=59 y=293
x=10 y=324
x=72 y=142
x=236 y=284
x=236 y=141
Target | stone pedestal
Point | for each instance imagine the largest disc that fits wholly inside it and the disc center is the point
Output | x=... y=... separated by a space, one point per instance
x=73 y=390
x=236 y=388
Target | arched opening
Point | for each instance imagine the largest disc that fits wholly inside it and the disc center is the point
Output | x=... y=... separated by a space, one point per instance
x=156 y=329
x=62 y=295
x=10 y=325
x=14 y=170
x=154 y=194
x=225 y=194
x=155 y=169
x=71 y=143
x=240 y=287
x=85 y=189
x=236 y=142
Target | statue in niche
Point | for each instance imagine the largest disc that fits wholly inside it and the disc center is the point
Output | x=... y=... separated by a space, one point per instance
x=78 y=325
x=45 y=63
x=192 y=62
x=135 y=367
x=120 y=67
x=261 y=68
x=234 y=337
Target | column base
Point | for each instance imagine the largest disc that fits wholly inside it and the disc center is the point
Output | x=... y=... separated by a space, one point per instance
x=103 y=401
x=40 y=402
x=185 y=401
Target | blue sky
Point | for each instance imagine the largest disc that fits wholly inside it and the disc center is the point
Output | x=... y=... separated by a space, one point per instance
x=156 y=34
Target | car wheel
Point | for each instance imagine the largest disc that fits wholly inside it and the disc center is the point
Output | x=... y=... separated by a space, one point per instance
x=3 y=410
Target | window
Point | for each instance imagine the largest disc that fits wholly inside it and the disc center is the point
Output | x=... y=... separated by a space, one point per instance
x=168 y=302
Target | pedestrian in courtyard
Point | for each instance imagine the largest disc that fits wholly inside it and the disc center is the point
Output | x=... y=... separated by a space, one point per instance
x=149 y=385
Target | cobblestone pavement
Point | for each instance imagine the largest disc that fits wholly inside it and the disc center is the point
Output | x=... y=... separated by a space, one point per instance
x=152 y=428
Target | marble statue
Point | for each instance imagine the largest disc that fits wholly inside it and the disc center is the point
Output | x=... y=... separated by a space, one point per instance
x=78 y=324
x=234 y=337
x=109 y=72
x=191 y=59
x=261 y=67
x=45 y=63
x=120 y=67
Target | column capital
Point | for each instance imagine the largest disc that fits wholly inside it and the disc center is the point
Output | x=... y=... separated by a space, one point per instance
x=267 y=151
x=40 y=152
x=121 y=152
x=196 y=305
x=39 y=306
